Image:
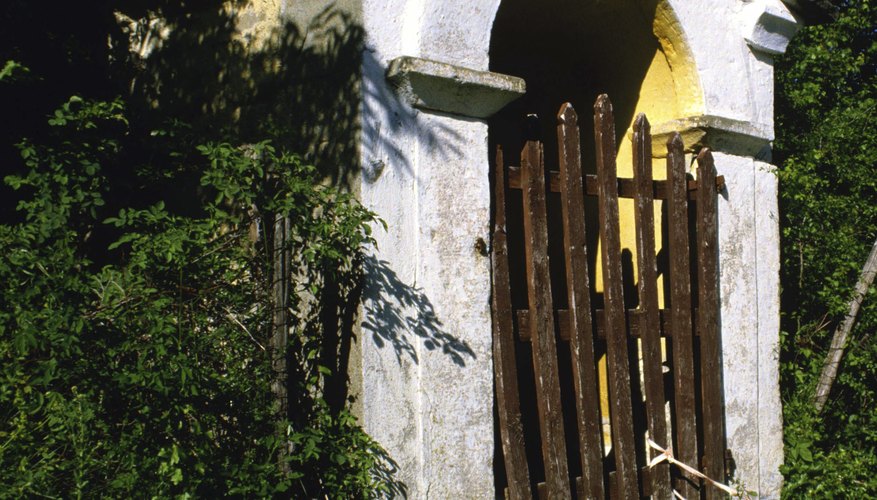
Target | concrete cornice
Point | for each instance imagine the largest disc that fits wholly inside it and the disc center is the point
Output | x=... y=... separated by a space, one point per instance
x=768 y=26
x=716 y=132
x=437 y=86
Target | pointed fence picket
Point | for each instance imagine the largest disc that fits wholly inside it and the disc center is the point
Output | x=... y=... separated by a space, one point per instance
x=684 y=413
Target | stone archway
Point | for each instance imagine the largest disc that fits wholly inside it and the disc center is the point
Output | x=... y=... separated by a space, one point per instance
x=636 y=52
x=572 y=53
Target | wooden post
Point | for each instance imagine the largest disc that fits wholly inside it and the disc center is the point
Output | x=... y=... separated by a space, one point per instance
x=505 y=367
x=280 y=330
x=581 y=330
x=649 y=317
x=708 y=323
x=682 y=341
x=613 y=293
x=542 y=320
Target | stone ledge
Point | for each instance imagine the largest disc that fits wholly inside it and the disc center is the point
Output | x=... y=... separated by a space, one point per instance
x=436 y=86
x=716 y=132
x=768 y=26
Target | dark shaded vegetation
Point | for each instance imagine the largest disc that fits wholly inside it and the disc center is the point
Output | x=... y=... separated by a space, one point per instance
x=146 y=150
x=827 y=151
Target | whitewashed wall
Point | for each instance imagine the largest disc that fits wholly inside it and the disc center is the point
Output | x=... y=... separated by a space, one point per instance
x=430 y=405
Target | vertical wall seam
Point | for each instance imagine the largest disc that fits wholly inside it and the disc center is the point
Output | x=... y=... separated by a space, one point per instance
x=755 y=233
x=421 y=456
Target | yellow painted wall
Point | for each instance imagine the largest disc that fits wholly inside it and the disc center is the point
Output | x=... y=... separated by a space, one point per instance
x=669 y=90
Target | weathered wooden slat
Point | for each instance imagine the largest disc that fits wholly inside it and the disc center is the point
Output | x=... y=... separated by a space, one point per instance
x=581 y=330
x=649 y=319
x=542 y=491
x=646 y=474
x=613 y=486
x=680 y=314
x=616 y=328
x=708 y=324
x=542 y=320
x=626 y=187
x=504 y=360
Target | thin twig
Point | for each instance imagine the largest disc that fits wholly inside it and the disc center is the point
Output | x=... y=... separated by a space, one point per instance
x=234 y=318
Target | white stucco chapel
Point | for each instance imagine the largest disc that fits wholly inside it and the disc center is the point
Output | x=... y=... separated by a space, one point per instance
x=442 y=81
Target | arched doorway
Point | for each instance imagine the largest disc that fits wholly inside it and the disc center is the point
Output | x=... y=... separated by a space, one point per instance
x=572 y=53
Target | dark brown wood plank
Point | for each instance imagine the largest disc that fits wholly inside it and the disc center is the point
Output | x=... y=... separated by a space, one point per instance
x=613 y=486
x=542 y=320
x=626 y=187
x=708 y=323
x=504 y=362
x=542 y=491
x=580 y=325
x=613 y=294
x=649 y=318
x=680 y=314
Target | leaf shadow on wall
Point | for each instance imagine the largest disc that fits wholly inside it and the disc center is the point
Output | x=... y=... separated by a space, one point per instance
x=398 y=314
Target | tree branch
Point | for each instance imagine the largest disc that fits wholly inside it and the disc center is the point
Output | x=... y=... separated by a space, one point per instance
x=841 y=335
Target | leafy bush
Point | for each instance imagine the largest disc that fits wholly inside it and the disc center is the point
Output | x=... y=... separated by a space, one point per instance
x=817 y=468
x=827 y=150
x=135 y=351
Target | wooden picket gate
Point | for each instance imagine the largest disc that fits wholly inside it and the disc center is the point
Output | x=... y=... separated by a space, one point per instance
x=694 y=426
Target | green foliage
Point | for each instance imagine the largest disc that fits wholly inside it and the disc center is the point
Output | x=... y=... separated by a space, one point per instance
x=827 y=93
x=10 y=70
x=815 y=468
x=136 y=277
x=827 y=152
x=134 y=340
